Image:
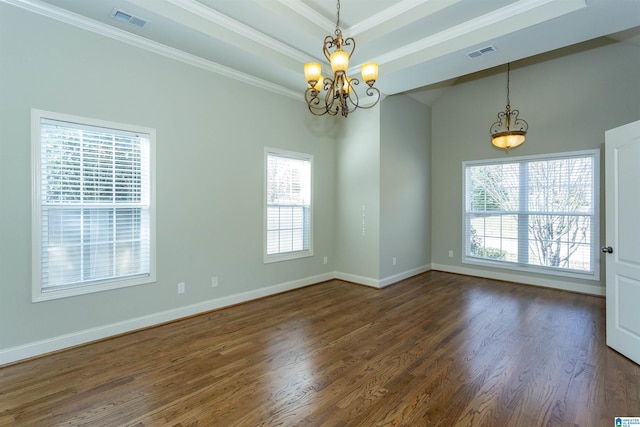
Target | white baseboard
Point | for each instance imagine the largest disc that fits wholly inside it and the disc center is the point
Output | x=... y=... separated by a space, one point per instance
x=517 y=278
x=360 y=280
x=381 y=283
x=390 y=280
x=14 y=354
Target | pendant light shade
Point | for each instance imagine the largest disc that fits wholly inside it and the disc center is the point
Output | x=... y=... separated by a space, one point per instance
x=339 y=61
x=312 y=72
x=369 y=73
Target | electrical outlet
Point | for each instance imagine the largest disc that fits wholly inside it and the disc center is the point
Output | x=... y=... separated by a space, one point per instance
x=324 y=260
x=214 y=281
x=394 y=260
x=181 y=288
x=450 y=253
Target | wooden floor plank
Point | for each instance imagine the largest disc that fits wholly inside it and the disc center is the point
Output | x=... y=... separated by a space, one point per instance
x=436 y=349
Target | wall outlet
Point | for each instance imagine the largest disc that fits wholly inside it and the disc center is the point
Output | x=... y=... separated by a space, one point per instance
x=450 y=253
x=324 y=260
x=394 y=260
x=181 y=288
x=214 y=281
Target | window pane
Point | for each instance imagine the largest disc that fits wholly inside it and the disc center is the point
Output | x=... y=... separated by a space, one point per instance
x=489 y=237
x=95 y=195
x=494 y=188
x=288 y=197
x=555 y=239
x=533 y=211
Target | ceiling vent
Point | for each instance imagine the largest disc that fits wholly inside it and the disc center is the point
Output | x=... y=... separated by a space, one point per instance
x=481 y=52
x=127 y=18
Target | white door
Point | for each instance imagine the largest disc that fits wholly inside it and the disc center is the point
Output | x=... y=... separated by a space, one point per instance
x=622 y=248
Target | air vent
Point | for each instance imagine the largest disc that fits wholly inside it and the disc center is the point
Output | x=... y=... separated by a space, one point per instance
x=481 y=52
x=127 y=18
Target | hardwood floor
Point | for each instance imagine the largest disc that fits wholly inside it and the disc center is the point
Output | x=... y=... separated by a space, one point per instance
x=434 y=350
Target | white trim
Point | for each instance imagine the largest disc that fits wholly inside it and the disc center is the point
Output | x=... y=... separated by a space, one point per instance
x=97 y=27
x=38 y=348
x=390 y=280
x=360 y=280
x=277 y=257
x=241 y=29
x=37 y=293
x=488 y=20
x=397 y=9
x=384 y=282
x=517 y=278
x=25 y=351
x=311 y=14
x=509 y=265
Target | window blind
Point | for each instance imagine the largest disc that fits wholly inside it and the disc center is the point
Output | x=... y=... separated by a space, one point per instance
x=288 y=203
x=95 y=204
x=535 y=211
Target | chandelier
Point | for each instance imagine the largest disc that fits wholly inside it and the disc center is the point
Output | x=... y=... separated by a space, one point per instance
x=509 y=131
x=325 y=95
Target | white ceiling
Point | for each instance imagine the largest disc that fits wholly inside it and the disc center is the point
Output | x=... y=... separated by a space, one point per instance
x=421 y=45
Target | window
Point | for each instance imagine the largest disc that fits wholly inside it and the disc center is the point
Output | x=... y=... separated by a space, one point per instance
x=536 y=212
x=287 y=205
x=93 y=207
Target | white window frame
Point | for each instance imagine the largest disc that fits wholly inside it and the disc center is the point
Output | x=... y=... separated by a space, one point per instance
x=283 y=256
x=557 y=271
x=40 y=294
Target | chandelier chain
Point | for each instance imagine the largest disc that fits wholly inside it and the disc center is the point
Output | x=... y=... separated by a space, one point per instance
x=508 y=72
x=338 y=16
x=510 y=130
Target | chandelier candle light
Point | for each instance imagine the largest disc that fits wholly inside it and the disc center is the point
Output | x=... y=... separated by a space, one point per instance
x=509 y=131
x=339 y=94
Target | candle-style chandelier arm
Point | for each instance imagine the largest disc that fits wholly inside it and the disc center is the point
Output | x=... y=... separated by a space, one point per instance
x=371 y=91
x=340 y=95
x=331 y=44
x=313 y=102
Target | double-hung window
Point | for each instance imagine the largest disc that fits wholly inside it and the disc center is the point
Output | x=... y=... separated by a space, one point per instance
x=93 y=205
x=288 y=181
x=538 y=213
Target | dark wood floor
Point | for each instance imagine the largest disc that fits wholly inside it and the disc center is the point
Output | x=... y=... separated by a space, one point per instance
x=435 y=350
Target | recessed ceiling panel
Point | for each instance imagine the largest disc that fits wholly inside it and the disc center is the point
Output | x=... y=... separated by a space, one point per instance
x=418 y=43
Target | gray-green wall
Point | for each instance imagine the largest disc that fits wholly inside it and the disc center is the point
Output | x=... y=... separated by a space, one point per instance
x=211 y=134
x=358 y=198
x=401 y=160
x=405 y=187
x=569 y=97
x=383 y=193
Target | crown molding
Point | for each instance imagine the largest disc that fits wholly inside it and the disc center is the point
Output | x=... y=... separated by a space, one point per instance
x=488 y=20
x=379 y=18
x=61 y=15
x=241 y=29
x=311 y=14
x=394 y=11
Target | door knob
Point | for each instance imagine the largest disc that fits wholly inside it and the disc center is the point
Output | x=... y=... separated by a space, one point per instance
x=607 y=249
